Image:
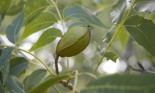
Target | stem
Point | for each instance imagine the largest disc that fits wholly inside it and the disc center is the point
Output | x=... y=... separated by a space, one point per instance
x=56 y=64
x=37 y=59
x=68 y=68
x=56 y=89
x=115 y=34
x=75 y=81
x=55 y=5
x=60 y=17
x=43 y=64
x=108 y=47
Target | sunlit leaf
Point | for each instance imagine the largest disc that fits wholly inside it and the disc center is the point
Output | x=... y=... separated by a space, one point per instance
x=118 y=11
x=15 y=7
x=112 y=56
x=4 y=5
x=17 y=65
x=82 y=13
x=34 y=79
x=145 y=6
x=122 y=36
x=14 y=85
x=42 y=21
x=5 y=63
x=50 y=81
x=47 y=37
x=14 y=27
x=122 y=84
x=33 y=8
x=143 y=31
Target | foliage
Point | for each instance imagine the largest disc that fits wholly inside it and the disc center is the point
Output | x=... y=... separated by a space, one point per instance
x=118 y=84
x=121 y=30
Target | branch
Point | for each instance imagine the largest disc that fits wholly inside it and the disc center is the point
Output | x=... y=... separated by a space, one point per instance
x=65 y=83
x=56 y=64
x=115 y=34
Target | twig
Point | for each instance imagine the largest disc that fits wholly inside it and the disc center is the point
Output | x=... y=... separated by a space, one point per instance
x=65 y=83
x=115 y=34
x=56 y=64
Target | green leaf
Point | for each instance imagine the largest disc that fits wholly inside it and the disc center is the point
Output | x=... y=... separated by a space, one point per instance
x=17 y=65
x=143 y=83
x=5 y=62
x=122 y=36
x=34 y=79
x=50 y=81
x=145 y=6
x=112 y=56
x=42 y=21
x=15 y=7
x=33 y=8
x=118 y=11
x=143 y=31
x=47 y=37
x=4 y=5
x=82 y=13
x=14 y=85
x=13 y=29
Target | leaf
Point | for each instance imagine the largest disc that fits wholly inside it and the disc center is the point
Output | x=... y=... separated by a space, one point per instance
x=14 y=27
x=143 y=83
x=143 y=31
x=109 y=34
x=145 y=6
x=47 y=37
x=15 y=7
x=82 y=13
x=14 y=85
x=17 y=65
x=42 y=21
x=34 y=79
x=33 y=8
x=50 y=81
x=118 y=11
x=112 y=56
x=122 y=36
x=4 y=5
x=5 y=63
